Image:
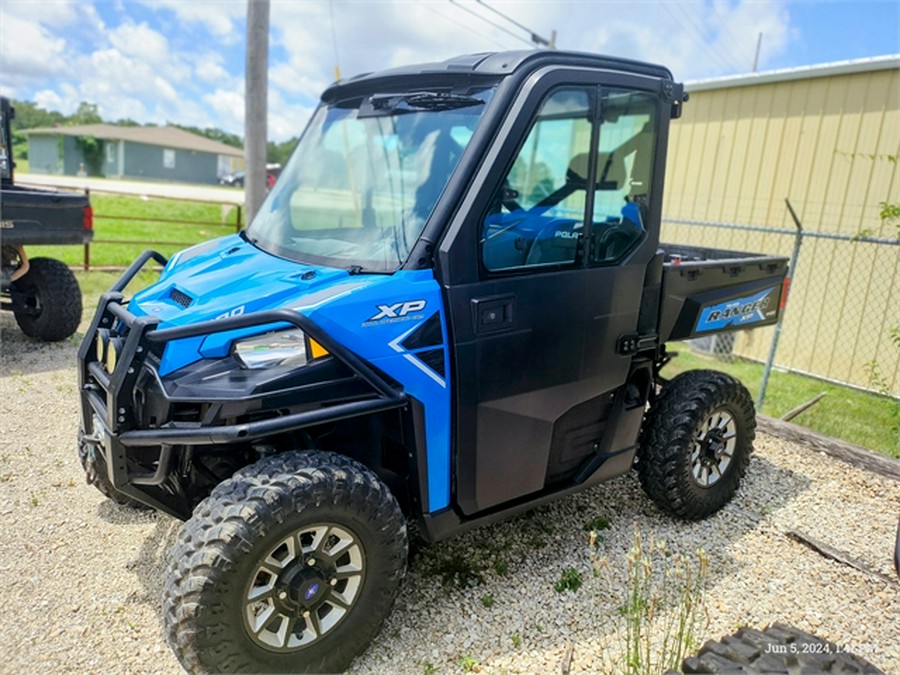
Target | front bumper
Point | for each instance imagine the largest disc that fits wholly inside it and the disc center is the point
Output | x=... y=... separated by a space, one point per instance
x=141 y=456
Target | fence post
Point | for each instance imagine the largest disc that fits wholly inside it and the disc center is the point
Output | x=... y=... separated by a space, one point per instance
x=87 y=245
x=792 y=266
x=238 y=224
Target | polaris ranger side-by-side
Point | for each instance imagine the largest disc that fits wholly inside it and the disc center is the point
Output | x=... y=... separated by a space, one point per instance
x=42 y=293
x=452 y=307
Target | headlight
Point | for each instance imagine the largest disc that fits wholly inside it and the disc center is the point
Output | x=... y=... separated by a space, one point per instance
x=282 y=348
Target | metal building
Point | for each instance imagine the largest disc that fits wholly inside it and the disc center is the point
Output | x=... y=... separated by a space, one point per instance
x=828 y=139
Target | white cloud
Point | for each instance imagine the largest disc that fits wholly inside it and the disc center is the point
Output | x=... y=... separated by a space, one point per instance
x=229 y=108
x=217 y=16
x=141 y=42
x=28 y=50
x=208 y=67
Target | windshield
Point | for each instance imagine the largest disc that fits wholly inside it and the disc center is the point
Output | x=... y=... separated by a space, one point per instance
x=365 y=177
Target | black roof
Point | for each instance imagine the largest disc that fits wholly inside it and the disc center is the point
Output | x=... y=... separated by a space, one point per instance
x=491 y=66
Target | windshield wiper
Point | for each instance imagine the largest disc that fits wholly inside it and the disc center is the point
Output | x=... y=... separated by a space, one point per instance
x=425 y=100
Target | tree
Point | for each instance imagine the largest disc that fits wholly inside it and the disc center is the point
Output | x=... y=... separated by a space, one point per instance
x=87 y=113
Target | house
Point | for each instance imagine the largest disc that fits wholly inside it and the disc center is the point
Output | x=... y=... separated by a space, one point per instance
x=149 y=153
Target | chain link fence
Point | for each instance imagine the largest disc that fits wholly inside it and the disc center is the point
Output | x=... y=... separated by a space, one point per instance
x=842 y=319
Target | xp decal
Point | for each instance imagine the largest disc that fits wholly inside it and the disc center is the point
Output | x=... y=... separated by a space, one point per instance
x=397 y=312
x=737 y=312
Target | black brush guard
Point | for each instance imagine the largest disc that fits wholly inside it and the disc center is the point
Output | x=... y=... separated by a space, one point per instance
x=107 y=399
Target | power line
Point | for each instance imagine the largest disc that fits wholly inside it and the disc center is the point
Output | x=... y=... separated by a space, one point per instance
x=723 y=56
x=491 y=38
x=700 y=42
x=535 y=38
x=486 y=20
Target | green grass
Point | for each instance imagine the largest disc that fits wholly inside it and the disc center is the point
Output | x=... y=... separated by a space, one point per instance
x=866 y=419
x=165 y=237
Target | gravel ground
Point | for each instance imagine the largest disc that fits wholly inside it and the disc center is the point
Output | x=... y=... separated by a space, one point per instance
x=81 y=577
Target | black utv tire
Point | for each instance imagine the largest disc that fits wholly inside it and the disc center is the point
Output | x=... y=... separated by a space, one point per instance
x=301 y=546
x=696 y=443
x=95 y=474
x=53 y=298
x=775 y=649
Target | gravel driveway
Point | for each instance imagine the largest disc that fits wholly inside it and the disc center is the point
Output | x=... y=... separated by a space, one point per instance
x=81 y=577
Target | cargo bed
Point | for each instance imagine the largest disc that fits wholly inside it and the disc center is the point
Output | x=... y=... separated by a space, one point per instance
x=707 y=290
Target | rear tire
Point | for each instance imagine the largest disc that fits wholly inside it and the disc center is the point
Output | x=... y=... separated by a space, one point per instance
x=696 y=444
x=290 y=565
x=53 y=301
x=775 y=649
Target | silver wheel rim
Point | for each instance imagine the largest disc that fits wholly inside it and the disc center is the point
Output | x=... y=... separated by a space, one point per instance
x=713 y=448
x=304 y=587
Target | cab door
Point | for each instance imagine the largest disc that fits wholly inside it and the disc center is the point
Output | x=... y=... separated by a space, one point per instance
x=543 y=273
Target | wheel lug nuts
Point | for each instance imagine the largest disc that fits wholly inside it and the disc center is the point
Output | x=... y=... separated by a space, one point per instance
x=311 y=562
x=333 y=582
x=283 y=595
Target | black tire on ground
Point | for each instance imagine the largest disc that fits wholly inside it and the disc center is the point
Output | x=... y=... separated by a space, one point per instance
x=290 y=565
x=775 y=649
x=95 y=474
x=53 y=298
x=696 y=443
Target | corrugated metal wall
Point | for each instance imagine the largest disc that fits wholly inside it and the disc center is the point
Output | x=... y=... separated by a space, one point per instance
x=830 y=145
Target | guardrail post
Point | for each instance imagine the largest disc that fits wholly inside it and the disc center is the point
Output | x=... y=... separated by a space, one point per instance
x=792 y=266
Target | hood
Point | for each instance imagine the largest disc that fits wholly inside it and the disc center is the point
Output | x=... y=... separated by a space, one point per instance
x=229 y=277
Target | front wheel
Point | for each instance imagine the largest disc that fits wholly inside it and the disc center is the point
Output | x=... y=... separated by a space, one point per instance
x=696 y=443
x=290 y=565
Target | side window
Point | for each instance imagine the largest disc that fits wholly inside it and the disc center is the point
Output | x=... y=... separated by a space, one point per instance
x=537 y=216
x=624 y=171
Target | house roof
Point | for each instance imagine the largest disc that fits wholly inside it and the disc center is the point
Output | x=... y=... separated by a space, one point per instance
x=169 y=137
x=889 y=62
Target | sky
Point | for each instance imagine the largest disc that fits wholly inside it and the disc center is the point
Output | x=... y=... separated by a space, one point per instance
x=182 y=61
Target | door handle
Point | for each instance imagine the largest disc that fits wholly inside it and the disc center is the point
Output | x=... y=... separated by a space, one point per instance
x=493 y=314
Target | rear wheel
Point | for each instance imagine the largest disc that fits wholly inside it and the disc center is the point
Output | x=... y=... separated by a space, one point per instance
x=697 y=443
x=291 y=565
x=51 y=301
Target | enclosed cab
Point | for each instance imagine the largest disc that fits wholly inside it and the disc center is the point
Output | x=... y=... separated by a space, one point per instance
x=452 y=307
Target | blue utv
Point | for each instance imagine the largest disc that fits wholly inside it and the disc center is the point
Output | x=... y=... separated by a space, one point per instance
x=452 y=307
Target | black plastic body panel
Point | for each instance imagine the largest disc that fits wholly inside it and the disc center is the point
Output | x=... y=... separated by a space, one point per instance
x=33 y=217
x=695 y=279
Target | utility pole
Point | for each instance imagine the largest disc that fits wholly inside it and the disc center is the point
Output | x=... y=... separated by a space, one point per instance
x=256 y=105
x=756 y=58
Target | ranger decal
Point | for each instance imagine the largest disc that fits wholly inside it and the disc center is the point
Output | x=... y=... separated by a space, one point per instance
x=737 y=312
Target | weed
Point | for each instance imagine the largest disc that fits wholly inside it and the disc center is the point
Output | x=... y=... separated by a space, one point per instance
x=468 y=663
x=569 y=580
x=517 y=640
x=597 y=524
x=488 y=600
x=458 y=570
x=34 y=499
x=501 y=568
x=429 y=669
x=661 y=613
